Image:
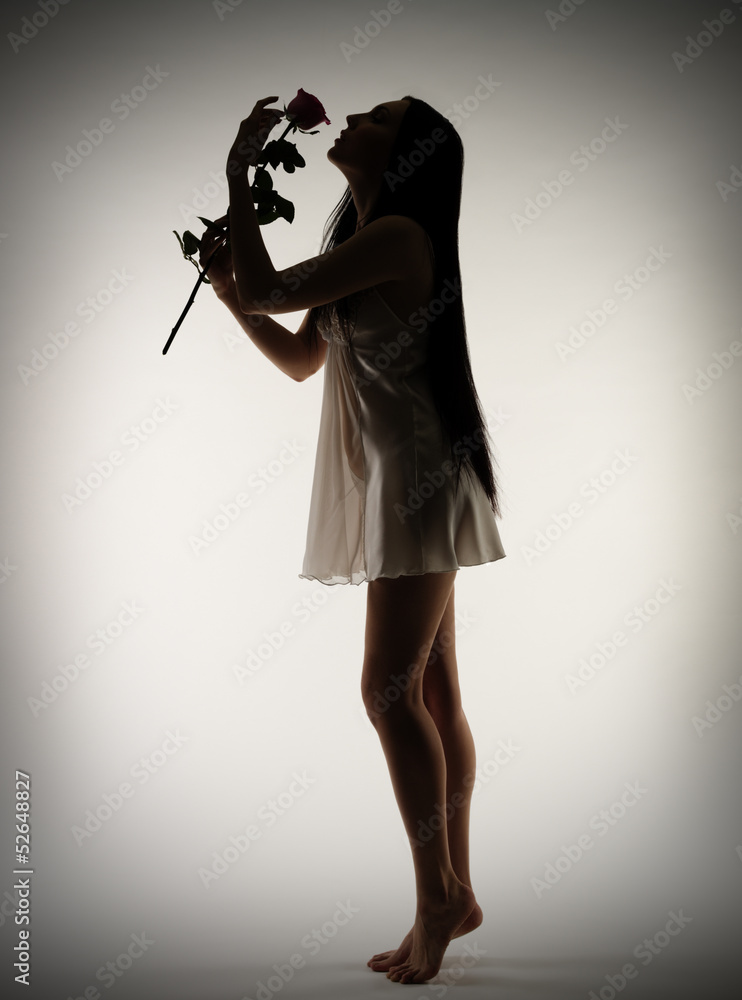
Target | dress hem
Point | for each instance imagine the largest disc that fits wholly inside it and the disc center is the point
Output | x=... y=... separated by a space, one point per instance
x=386 y=576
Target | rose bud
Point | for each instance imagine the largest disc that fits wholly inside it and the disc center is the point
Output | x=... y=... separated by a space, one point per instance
x=305 y=111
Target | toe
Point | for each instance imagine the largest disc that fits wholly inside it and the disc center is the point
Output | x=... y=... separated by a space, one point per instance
x=378 y=960
x=397 y=971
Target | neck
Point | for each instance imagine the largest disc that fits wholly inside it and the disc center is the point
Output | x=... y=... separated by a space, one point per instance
x=364 y=193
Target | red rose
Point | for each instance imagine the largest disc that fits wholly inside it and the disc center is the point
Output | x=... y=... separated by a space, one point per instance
x=305 y=111
x=302 y=114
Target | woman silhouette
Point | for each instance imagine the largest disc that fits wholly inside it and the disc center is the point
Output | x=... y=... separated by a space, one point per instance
x=404 y=492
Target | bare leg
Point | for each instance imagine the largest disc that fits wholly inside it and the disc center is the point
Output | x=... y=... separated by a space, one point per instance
x=442 y=698
x=403 y=618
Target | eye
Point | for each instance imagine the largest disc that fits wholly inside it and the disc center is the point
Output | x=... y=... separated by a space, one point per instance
x=376 y=118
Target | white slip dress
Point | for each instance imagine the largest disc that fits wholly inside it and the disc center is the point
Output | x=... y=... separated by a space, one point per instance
x=382 y=503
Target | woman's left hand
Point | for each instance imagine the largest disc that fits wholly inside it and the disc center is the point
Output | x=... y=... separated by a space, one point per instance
x=252 y=135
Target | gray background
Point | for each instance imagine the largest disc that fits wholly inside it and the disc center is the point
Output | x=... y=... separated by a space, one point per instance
x=525 y=623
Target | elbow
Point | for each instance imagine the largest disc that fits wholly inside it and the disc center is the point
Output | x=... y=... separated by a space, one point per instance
x=304 y=373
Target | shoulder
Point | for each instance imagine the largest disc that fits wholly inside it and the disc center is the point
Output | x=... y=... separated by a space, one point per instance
x=401 y=236
x=399 y=225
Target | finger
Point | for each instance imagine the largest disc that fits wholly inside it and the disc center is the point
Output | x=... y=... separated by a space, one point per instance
x=259 y=105
x=218 y=230
x=208 y=246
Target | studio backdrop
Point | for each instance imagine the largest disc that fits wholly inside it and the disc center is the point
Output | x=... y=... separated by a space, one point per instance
x=183 y=732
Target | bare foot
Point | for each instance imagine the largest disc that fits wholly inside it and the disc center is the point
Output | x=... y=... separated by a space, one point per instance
x=419 y=956
x=385 y=960
x=434 y=927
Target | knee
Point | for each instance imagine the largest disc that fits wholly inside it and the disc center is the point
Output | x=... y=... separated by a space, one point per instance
x=445 y=713
x=442 y=700
x=397 y=692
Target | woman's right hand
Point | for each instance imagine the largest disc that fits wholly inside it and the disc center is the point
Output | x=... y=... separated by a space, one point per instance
x=221 y=272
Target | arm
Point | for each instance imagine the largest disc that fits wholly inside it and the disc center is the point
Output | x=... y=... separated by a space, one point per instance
x=391 y=248
x=288 y=351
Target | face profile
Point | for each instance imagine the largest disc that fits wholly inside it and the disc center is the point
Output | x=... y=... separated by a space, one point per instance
x=363 y=147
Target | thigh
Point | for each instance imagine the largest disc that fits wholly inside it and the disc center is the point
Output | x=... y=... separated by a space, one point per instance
x=403 y=616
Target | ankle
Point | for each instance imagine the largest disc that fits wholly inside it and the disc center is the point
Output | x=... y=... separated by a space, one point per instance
x=440 y=896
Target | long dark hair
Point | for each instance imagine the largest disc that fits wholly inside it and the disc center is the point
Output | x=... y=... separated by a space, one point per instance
x=423 y=181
